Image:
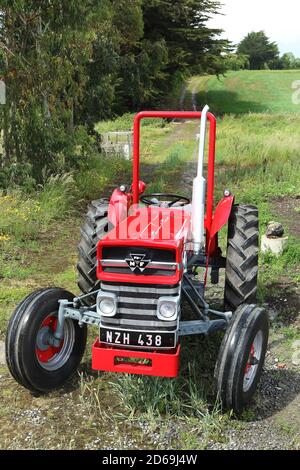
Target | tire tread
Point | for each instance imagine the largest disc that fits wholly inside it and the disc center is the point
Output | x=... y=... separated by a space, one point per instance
x=242 y=257
x=95 y=226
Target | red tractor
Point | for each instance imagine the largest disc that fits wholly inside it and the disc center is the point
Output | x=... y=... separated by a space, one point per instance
x=139 y=256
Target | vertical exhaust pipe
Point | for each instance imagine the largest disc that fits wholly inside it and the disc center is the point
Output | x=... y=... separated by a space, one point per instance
x=199 y=184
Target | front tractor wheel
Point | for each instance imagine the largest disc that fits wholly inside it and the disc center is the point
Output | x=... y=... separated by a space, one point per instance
x=241 y=357
x=242 y=257
x=31 y=358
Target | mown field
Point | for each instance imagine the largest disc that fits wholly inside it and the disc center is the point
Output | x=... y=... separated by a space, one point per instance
x=258 y=158
x=246 y=91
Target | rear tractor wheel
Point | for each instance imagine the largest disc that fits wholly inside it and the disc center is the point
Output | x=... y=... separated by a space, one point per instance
x=242 y=257
x=94 y=228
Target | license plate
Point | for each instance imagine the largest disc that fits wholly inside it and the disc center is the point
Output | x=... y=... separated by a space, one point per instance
x=137 y=338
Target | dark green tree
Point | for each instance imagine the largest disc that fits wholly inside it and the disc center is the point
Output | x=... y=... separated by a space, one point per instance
x=45 y=46
x=288 y=61
x=68 y=64
x=152 y=44
x=261 y=51
x=192 y=45
x=236 y=61
x=113 y=86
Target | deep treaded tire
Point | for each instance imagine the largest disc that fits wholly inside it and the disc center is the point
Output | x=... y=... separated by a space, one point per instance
x=94 y=228
x=241 y=357
x=242 y=257
x=31 y=358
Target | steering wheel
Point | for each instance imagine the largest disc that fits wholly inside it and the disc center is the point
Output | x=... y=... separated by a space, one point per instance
x=156 y=200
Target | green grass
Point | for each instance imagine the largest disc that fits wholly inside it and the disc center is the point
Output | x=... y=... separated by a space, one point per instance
x=248 y=91
x=23 y=216
x=125 y=123
x=260 y=155
x=101 y=176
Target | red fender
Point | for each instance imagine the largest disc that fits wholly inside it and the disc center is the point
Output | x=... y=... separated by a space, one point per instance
x=118 y=206
x=220 y=218
x=120 y=202
x=221 y=215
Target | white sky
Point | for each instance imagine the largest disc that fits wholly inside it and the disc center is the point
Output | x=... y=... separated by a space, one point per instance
x=279 y=19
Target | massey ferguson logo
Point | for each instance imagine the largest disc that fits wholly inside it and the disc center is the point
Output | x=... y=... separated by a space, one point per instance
x=137 y=262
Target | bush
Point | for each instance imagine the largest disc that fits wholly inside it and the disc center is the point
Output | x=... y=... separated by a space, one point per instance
x=56 y=197
x=45 y=146
x=24 y=215
x=101 y=175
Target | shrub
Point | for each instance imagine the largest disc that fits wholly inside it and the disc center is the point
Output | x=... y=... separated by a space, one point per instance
x=24 y=215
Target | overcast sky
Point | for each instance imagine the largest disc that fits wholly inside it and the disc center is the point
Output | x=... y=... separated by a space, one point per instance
x=279 y=19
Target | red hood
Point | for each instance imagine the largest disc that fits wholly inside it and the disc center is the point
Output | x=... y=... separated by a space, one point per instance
x=165 y=229
x=153 y=224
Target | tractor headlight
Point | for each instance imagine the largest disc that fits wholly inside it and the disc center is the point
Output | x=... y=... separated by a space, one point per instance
x=168 y=308
x=106 y=304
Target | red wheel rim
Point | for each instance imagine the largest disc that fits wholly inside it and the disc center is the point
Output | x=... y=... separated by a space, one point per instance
x=45 y=355
x=253 y=361
x=250 y=358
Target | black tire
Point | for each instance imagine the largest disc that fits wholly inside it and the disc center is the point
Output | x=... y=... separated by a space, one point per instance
x=21 y=343
x=236 y=379
x=242 y=257
x=94 y=228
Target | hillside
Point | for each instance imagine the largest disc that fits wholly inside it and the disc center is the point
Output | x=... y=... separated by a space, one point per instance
x=246 y=91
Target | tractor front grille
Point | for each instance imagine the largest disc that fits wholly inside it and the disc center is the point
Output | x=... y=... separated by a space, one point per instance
x=158 y=262
x=137 y=304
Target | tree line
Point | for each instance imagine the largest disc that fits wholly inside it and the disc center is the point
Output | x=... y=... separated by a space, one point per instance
x=68 y=64
x=256 y=52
